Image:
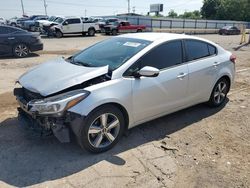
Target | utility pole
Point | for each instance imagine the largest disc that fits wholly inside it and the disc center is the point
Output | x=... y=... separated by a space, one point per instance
x=85 y=13
x=22 y=6
x=133 y=9
x=45 y=7
x=128 y=6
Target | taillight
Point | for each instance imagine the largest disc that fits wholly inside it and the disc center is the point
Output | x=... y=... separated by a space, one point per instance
x=233 y=58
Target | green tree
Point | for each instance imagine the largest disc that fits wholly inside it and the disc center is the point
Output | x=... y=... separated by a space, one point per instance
x=172 y=14
x=191 y=15
x=210 y=8
x=226 y=9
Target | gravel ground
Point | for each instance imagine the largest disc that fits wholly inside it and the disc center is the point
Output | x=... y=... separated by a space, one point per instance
x=196 y=147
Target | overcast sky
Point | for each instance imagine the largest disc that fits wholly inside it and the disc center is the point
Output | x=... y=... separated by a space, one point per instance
x=10 y=8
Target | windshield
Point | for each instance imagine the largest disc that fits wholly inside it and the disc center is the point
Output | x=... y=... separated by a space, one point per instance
x=112 y=52
x=32 y=17
x=59 y=20
x=52 y=18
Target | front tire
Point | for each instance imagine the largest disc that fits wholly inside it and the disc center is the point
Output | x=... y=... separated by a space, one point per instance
x=59 y=34
x=21 y=50
x=91 y=32
x=219 y=93
x=102 y=129
x=114 y=32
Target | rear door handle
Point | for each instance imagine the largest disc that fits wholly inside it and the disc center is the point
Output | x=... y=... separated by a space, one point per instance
x=182 y=75
x=216 y=64
x=11 y=38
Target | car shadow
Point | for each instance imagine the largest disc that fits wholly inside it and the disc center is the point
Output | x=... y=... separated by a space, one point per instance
x=68 y=36
x=31 y=55
x=26 y=159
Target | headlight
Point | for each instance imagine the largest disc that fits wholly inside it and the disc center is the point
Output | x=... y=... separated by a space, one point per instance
x=59 y=103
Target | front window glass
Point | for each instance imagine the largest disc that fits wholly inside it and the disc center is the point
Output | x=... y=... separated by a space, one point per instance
x=166 y=55
x=112 y=52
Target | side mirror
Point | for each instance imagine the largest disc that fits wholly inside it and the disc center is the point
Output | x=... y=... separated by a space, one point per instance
x=66 y=23
x=149 y=72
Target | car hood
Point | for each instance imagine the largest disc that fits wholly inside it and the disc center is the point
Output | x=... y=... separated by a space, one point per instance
x=50 y=23
x=57 y=75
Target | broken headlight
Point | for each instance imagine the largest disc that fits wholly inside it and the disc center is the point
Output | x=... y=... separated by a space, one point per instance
x=59 y=103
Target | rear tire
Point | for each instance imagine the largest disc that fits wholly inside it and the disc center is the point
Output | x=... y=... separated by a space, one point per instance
x=219 y=93
x=21 y=50
x=139 y=31
x=102 y=129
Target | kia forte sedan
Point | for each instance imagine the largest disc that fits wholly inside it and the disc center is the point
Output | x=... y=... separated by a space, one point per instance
x=112 y=86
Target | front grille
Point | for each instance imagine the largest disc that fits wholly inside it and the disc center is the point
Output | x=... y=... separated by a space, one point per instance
x=46 y=28
x=37 y=24
x=26 y=94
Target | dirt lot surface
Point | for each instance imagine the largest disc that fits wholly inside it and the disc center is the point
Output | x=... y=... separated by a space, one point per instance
x=196 y=147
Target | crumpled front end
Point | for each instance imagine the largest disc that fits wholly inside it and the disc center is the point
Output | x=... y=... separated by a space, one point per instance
x=48 y=115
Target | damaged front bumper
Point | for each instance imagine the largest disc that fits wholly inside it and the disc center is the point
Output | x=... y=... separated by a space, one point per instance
x=57 y=123
x=47 y=125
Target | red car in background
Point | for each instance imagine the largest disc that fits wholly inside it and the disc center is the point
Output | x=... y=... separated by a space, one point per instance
x=123 y=27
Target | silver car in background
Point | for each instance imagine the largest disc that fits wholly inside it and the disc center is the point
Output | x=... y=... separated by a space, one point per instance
x=122 y=82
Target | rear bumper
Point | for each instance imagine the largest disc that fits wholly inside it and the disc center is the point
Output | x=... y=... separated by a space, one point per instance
x=36 y=47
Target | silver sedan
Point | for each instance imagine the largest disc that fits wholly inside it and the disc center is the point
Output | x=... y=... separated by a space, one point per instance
x=102 y=91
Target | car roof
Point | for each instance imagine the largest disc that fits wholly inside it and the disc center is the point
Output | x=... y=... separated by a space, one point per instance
x=153 y=36
x=8 y=26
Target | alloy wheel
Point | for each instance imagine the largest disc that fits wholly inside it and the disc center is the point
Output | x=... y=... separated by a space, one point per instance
x=103 y=130
x=220 y=92
x=21 y=50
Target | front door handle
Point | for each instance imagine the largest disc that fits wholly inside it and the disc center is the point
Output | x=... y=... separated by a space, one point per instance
x=182 y=75
x=11 y=38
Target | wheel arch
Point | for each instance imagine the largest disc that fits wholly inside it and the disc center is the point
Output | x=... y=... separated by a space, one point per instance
x=227 y=78
x=91 y=28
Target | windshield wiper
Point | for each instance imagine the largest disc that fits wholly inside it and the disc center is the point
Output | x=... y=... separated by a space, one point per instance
x=79 y=63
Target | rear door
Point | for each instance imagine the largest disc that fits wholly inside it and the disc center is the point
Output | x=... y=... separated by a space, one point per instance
x=162 y=94
x=6 y=40
x=203 y=66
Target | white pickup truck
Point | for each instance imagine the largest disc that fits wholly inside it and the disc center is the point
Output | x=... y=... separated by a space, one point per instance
x=74 y=25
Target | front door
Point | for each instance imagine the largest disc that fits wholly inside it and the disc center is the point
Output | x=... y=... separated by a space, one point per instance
x=162 y=94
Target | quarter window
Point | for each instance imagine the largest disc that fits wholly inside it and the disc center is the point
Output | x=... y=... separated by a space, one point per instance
x=196 y=50
x=212 y=50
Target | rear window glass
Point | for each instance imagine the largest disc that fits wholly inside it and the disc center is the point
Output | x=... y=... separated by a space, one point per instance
x=196 y=50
